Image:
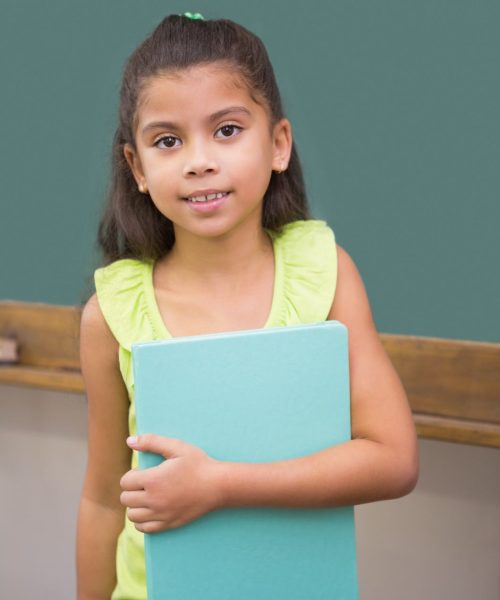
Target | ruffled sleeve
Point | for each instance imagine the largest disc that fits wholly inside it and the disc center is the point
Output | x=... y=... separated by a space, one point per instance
x=306 y=273
x=126 y=297
x=123 y=300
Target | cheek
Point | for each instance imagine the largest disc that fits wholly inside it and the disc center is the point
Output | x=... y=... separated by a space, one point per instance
x=261 y=168
x=255 y=162
x=159 y=174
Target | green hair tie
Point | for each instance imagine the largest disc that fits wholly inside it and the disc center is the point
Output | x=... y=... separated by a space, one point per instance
x=194 y=16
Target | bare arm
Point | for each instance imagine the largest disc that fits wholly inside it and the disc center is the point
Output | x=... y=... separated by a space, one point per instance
x=380 y=462
x=101 y=516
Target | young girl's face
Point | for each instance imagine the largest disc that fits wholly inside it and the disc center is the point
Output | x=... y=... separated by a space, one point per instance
x=205 y=150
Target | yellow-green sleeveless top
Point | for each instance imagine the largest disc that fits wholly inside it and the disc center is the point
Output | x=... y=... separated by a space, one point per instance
x=304 y=287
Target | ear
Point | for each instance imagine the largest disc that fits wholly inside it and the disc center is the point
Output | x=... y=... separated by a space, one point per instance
x=134 y=163
x=282 y=145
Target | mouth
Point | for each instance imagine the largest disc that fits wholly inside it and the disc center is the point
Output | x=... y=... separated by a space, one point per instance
x=206 y=199
x=207 y=204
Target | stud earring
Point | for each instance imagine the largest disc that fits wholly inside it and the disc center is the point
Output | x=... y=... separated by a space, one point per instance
x=281 y=169
x=142 y=188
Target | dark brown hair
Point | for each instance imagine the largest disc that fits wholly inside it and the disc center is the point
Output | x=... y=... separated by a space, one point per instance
x=132 y=227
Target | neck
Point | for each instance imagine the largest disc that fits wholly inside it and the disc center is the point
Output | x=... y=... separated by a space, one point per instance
x=207 y=259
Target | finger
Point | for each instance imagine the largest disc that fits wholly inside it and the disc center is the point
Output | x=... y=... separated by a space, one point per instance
x=134 y=499
x=151 y=526
x=139 y=515
x=157 y=444
x=132 y=481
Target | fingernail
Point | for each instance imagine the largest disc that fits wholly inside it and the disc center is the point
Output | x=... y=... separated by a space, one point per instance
x=132 y=440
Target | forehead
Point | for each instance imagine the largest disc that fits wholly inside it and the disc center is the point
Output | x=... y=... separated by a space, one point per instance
x=198 y=90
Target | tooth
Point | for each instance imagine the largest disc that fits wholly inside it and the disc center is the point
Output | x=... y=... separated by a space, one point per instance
x=207 y=198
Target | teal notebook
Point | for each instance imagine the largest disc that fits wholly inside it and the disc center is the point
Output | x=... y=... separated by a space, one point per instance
x=253 y=396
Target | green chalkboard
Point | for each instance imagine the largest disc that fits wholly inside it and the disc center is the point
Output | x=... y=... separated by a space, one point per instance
x=396 y=114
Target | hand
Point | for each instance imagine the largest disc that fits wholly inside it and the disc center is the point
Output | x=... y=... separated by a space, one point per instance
x=179 y=490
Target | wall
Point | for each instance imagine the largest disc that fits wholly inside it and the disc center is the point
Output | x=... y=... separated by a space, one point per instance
x=42 y=462
x=441 y=542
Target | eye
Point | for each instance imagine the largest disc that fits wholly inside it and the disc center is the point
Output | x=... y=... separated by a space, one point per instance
x=167 y=141
x=228 y=131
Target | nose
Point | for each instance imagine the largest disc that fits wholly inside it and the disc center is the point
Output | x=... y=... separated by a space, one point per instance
x=200 y=160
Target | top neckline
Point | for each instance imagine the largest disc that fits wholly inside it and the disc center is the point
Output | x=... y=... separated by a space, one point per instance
x=158 y=324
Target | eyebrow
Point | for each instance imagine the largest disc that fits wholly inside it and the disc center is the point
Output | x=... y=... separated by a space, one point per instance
x=213 y=117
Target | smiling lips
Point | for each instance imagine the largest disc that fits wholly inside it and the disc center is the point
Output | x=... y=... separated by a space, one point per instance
x=207 y=197
x=206 y=201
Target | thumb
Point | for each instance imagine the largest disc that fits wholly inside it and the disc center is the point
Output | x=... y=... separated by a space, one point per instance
x=157 y=444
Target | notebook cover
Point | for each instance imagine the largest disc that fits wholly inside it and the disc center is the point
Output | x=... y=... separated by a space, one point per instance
x=253 y=396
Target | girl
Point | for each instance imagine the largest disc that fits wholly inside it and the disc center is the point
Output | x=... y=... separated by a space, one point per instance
x=206 y=230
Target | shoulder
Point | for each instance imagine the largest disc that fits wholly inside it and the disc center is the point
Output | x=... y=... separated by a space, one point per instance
x=118 y=285
x=348 y=273
x=351 y=305
x=125 y=295
x=308 y=247
x=92 y=318
x=122 y=271
x=305 y=232
x=96 y=338
x=306 y=271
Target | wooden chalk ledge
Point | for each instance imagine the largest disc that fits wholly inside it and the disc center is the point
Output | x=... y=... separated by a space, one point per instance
x=453 y=386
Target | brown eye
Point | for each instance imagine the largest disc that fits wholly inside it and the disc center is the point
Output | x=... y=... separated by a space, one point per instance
x=168 y=141
x=229 y=130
